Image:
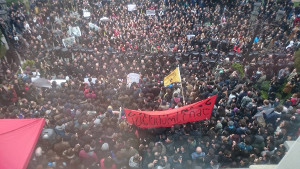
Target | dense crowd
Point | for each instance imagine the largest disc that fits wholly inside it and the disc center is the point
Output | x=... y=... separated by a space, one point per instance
x=85 y=124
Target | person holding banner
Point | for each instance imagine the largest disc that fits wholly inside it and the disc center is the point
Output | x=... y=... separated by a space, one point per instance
x=135 y=113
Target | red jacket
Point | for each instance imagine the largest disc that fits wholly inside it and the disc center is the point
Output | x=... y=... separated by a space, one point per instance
x=14 y=97
x=237 y=49
x=296 y=21
x=87 y=94
x=103 y=167
x=88 y=158
x=26 y=88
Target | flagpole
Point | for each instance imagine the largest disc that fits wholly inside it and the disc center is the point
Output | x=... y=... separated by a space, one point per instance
x=181 y=86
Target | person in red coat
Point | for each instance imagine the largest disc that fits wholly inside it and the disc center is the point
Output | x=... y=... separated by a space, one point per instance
x=237 y=49
x=87 y=157
x=14 y=96
x=107 y=163
x=88 y=93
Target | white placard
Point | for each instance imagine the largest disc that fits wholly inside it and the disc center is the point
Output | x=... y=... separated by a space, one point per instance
x=93 y=26
x=131 y=7
x=68 y=41
x=104 y=19
x=190 y=36
x=86 y=80
x=74 y=31
x=86 y=13
x=39 y=37
x=150 y=12
x=132 y=77
x=99 y=4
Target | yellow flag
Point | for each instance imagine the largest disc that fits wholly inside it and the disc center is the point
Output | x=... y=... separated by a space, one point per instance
x=173 y=77
x=36 y=10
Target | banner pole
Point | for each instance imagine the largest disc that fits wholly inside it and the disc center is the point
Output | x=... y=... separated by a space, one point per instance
x=181 y=86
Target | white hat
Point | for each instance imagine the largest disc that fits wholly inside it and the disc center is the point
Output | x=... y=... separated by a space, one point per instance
x=105 y=147
x=38 y=152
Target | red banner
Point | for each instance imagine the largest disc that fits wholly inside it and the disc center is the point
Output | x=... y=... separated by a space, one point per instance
x=153 y=119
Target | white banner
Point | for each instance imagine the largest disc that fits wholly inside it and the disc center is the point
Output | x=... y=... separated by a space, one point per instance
x=59 y=81
x=42 y=82
x=131 y=7
x=132 y=77
x=150 y=12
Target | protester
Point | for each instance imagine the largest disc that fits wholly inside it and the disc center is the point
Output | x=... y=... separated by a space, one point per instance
x=205 y=39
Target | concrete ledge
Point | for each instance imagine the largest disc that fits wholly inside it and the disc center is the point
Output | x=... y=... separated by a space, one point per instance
x=291 y=158
x=258 y=167
x=262 y=166
x=288 y=144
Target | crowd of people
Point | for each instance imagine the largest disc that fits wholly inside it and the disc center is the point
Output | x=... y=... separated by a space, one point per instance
x=85 y=123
